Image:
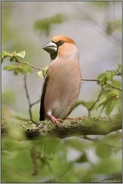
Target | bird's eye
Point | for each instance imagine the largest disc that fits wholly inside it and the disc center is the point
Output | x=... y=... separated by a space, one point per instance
x=59 y=43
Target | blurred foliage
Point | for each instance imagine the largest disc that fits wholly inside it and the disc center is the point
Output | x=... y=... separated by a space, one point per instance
x=113 y=26
x=101 y=4
x=10 y=35
x=7 y=10
x=48 y=159
x=45 y=25
x=8 y=98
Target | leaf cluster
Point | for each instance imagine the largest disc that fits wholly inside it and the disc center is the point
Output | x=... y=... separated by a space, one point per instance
x=12 y=55
x=16 y=68
x=49 y=159
x=21 y=67
x=110 y=94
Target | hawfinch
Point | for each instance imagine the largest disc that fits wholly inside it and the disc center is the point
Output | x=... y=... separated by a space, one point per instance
x=63 y=79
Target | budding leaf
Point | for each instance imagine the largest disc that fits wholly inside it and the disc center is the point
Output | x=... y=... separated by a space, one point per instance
x=113 y=94
x=42 y=73
x=5 y=55
x=109 y=75
x=21 y=54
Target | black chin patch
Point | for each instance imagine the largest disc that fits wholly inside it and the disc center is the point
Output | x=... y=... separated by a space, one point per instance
x=53 y=55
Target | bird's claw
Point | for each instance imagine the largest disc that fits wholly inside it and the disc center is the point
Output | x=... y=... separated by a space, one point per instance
x=55 y=120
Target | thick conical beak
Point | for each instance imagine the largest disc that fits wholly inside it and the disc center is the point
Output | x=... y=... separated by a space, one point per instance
x=50 y=47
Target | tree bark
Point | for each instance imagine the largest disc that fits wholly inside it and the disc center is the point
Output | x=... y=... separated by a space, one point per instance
x=82 y=126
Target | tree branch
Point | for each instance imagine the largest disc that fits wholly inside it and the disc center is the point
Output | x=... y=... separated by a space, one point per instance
x=80 y=126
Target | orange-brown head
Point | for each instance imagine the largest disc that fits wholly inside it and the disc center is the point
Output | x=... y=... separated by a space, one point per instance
x=61 y=46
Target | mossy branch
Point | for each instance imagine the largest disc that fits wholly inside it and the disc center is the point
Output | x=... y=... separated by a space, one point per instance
x=83 y=126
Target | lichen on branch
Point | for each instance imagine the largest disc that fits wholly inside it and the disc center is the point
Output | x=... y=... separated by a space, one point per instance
x=81 y=126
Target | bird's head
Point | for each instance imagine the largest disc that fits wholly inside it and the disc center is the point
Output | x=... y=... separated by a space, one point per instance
x=61 y=46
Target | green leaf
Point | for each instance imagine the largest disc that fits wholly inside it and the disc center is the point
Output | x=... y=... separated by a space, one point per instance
x=109 y=101
x=120 y=67
x=103 y=150
x=102 y=102
x=101 y=78
x=21 y=54
x=82 y=158
x=40 y=74
x=11 y=59
x=10 y=67
x=109 y=165
x=89 y=104
x=113 y=94
x=77 y=144
x=23 y=69
x=12 y=55
x=119 y=70
x=110 y=106
x=109 y=75
x=5 y=55
x=116 y=83
x=43 y=72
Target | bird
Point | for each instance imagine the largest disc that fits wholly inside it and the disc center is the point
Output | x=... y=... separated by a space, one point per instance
x=63 y=78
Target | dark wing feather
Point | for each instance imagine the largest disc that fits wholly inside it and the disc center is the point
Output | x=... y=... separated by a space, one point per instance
x=42 y=111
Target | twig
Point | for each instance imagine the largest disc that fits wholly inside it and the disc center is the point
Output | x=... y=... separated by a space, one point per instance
x=34 y=161
x=82 y=102
x=93 y=80
x=114 y=86
x=98 y=97
x=34 y=103
x=37 y=68
x=32 y=66
x=28 y=98
x=96 y=80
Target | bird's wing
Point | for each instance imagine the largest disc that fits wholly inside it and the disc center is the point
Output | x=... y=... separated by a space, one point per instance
x=42 y=111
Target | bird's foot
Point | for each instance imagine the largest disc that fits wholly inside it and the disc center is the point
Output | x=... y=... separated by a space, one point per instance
x=55 y=120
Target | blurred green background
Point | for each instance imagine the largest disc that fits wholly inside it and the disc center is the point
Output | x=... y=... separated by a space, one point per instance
x=96 y=27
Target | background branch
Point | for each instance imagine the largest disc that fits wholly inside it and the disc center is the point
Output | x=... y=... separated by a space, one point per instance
x=28 y=98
